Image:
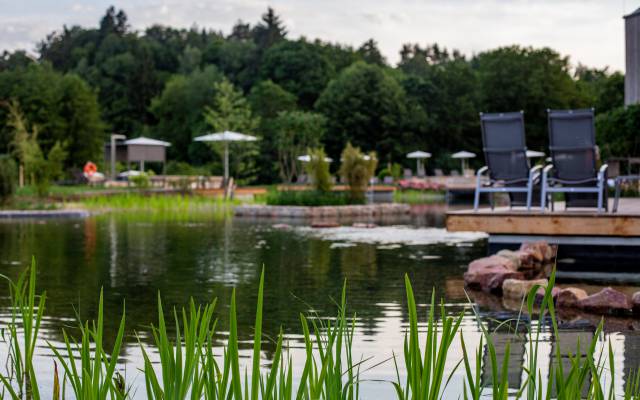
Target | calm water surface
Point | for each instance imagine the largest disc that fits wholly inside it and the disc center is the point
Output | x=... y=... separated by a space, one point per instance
x=134 y=257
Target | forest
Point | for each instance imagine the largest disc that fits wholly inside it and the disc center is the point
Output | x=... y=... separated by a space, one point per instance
x=293 y=93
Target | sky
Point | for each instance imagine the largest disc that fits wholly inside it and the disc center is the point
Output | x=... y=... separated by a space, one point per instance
x=589 y=31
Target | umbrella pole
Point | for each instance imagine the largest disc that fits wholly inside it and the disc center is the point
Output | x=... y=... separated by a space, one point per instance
x=226 y=163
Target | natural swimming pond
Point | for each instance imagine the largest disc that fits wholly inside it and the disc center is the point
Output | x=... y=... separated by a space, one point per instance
x=134 y=257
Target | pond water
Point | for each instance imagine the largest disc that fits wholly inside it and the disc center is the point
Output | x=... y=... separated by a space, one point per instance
x=133 y=257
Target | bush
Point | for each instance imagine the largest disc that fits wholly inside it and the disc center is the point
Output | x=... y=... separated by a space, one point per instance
x=309 y=198
x=356 y=170
x=7 y=178
x=393 y=170
x=141 y=181
x=318 y=170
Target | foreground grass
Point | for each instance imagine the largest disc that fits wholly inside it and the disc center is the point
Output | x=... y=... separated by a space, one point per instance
x=188 y=368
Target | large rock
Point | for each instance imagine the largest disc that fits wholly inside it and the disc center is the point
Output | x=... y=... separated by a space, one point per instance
x=488 y=274
x=606 y=301
x=570 y=297
x=490 y=279
x=518 y=258
x=489 y=262
x=517 y=289
x=540 y=251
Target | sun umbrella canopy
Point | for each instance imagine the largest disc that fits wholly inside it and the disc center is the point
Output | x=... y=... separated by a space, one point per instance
x=419 y=154
x=534 y=154
x=463 y=154
x=226 y=136
x=307 y=158
x=145 y=141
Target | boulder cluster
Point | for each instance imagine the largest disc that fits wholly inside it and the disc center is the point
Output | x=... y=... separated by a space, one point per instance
x=512 y=274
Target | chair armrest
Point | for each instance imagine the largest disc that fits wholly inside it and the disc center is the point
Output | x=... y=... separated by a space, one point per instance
x=482 y=170
x=535 y=170
x=602 y=171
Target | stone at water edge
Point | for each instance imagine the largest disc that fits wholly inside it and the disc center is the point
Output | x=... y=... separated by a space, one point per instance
x=555 y=291
x=570 y=297
x=540 y=251
x=490 y=279
x=517 y=289
x=491 y=261
x=606 y=301
x=635 y=302
x=511 y=255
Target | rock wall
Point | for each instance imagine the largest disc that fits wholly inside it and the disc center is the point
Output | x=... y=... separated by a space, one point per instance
x=322 y=211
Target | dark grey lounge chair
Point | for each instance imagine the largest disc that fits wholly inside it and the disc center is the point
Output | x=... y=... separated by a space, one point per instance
x=505 y=153
x=572 y=142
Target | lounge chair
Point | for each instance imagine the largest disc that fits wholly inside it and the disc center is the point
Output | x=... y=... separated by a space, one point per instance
x=505 y=154
x=572 y=142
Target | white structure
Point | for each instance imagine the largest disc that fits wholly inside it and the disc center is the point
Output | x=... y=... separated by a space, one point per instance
x=632 y=58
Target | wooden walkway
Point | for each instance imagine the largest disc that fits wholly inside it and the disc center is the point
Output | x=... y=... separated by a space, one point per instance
x=574 y=222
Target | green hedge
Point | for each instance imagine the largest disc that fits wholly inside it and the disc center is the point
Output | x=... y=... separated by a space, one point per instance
x=309 y=198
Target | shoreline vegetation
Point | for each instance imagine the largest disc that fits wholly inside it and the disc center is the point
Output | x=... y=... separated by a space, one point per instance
x=188 y=368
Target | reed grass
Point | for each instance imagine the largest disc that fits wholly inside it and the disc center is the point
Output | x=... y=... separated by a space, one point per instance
x=162 y=206
x=189 y=368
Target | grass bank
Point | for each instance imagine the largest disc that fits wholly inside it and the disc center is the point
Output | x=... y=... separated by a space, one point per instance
x=309 y=198
x=188 y=368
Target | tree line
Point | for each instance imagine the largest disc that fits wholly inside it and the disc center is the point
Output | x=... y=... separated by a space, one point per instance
x=295 y=94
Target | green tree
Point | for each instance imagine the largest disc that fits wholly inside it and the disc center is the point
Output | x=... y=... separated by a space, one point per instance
x=365 y=105
x=38 y=169
x=523 y=78
x=298 y=68
x=604 y=90
x=269 y=31
x=295 y=132
x=179 y=112
x=64 y=108
x=231 y=112
x=371 y=54
x=443 y=107
x=267 y=99
x=617 y=132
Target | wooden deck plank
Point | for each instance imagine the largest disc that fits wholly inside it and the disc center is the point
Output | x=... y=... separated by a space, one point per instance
x=625 y=223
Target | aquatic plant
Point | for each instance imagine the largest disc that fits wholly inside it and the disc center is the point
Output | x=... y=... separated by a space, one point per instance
x=162 y=205
x=188 y=368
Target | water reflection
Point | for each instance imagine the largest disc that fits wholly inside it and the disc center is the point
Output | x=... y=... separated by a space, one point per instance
x=133 y=259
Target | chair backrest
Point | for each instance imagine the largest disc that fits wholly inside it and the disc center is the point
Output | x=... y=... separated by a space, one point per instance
x=505 y=150
x=572 y=142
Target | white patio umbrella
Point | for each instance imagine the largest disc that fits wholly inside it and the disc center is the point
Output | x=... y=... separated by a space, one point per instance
x=419 y=155
x=307 y=158
x=534 y=154
x=226 y=137
x=463 y=156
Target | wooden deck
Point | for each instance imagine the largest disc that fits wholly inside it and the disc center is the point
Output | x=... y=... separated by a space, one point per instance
x=575 y=222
